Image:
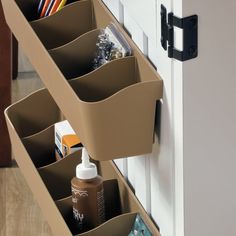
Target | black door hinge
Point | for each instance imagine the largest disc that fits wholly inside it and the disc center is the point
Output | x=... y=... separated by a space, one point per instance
x=190 y=35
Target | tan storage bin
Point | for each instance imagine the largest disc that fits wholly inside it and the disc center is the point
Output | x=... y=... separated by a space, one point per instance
x=112 y=109
x=51 y=182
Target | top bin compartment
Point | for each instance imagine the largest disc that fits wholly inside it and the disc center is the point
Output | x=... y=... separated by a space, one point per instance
x=73 y=20
x=112 y=109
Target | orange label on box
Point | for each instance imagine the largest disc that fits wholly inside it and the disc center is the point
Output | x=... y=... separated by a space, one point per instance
x=66 y=141
x=70 y=143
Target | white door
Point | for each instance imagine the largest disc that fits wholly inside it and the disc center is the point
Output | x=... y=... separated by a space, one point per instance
x=209 y=114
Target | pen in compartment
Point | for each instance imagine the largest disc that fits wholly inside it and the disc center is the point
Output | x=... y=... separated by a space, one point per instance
x=45 y=7
x=61 y=5
x=49 y=8
x=54 y=7
x=40 y=6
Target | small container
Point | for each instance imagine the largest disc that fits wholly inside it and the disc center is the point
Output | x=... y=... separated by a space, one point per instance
x=87 y=195
x=66 y=140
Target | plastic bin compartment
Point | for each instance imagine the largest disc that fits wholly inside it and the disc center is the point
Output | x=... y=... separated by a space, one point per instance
x=75 y=58
x=33 y=113
x=116 y=223
x=57 y=176
x=72 y=20
x=41 y=147
x=117 y=110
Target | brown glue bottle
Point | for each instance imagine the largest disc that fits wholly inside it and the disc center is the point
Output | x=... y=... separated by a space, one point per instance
x=87 y=195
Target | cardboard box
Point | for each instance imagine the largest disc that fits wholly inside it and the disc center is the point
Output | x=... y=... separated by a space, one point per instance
x=66 y=140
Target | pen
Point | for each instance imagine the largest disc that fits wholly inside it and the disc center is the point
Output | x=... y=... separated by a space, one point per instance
x=40 y=6
x=45 y=7
x=49 y=8
x=61 y=5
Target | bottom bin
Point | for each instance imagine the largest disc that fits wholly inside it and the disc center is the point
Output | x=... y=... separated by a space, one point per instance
x=50 y=180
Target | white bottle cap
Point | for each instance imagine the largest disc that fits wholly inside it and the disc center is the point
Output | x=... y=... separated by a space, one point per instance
x=86 y=170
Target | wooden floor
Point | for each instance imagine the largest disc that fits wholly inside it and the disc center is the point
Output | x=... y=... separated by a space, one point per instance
x=19 y=213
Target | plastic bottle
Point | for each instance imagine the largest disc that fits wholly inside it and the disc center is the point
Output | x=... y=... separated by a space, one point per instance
x=87 y=195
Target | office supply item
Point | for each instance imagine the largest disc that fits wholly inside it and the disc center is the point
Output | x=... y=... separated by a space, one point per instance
x=61 y=5
x=111 y=45
x=40 y=6
x=45 y=7
x=66 y=140
x=49 y=8
x=139 y=228
x=54 y=7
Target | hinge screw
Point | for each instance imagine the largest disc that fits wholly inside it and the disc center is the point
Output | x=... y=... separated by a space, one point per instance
x=193 y=24
x=192 y=51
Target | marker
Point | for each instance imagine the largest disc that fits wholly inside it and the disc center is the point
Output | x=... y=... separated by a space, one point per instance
x=62 y=4
x=45 y=7
x=54 y=7
x=49 y=8
x=40 y=6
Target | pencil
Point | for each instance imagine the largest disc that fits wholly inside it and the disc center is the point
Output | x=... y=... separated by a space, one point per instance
x=45 y=7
